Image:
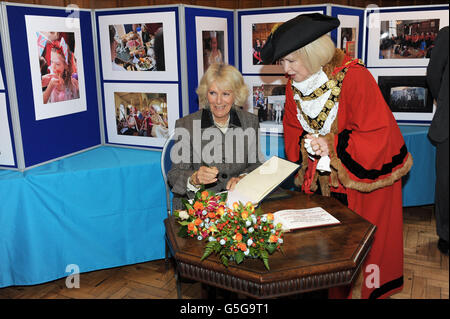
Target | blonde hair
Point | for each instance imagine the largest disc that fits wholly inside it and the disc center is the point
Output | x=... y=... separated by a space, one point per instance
x=316 y=54
x=226 y=77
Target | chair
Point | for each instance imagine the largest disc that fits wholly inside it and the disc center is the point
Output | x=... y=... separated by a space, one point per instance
x=166 y=164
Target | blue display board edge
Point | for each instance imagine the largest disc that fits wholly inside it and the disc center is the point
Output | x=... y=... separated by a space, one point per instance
x=52 y=138
x=191 y=46
x=336 y=10
x=323 y=8
x=8 y=111
x=103 y=81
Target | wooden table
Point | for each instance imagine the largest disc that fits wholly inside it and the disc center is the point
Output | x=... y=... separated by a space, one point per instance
x=313 y=259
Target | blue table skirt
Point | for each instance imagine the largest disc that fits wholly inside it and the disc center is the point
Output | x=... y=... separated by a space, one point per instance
x=105 y=208
x=99 y=209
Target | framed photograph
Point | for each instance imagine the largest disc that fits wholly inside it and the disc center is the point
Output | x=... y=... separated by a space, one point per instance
x=140 y=114
x=212 y=42
x=6 y=147
x=141 y=46
x=266 y=100
x=407 y=94
x=347 y=34
x=403 y=38
x=56 y=65
x=255 y=30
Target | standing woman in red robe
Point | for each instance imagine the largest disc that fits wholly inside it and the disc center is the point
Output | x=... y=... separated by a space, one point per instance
x=339 y=127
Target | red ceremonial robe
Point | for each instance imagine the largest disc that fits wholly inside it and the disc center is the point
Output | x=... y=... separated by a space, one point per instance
x=368 y=158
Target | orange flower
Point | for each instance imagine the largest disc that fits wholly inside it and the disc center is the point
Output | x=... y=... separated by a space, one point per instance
x=198 y=205
x=238 y=237
x=204 y=195
x=244 y=214
x=270 y=216
x=211 y=215
x=191 y=211
x=235 y=205
x=198 y=221
x=220 y=211
x=191 y=226
x=242 y=246
x=273 y=238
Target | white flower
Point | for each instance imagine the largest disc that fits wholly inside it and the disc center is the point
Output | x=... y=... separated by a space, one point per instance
x=200 y=237
x=204 y=212
x=251 y=230
x=183 y=214
x=211 y=238
x=280 y=240
x=247 y=252
x=248 y=223
x=264 y=219
x=249 y=242
x=222 y=242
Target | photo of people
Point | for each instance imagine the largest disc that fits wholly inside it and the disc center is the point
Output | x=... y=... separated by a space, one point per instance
x=268 y=103
x=348 y=41
x=213 y=48
x=58 y=65
x=408 y=99
x=260 y=33
x=137 y=47
x=141 y=114
x=407 y=39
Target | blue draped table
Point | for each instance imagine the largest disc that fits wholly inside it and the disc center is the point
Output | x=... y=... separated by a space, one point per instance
x=99 y=209
x=105 y=208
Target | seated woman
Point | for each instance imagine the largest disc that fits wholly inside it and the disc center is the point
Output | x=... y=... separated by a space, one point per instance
x=218 y=144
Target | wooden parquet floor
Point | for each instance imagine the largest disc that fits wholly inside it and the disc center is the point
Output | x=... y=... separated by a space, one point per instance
x=426 y=274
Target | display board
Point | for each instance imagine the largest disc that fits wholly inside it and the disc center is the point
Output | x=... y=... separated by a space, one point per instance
x=209 y=39
x=139 y=53
x=397 y=47
x=348 y=36
x=72 y=79
x=7 y=153
x=52 y=67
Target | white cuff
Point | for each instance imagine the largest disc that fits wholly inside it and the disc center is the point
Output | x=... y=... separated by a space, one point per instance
x=191 y=187
x=324 y=164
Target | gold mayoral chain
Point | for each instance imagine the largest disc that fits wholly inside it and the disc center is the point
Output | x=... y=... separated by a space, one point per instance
x=335 y=86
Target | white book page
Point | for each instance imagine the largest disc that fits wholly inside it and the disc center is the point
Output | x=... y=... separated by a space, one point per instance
x=304 y=218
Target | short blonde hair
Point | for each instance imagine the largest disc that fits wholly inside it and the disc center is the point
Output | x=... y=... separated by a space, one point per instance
x=316 y=54
x=227 y=77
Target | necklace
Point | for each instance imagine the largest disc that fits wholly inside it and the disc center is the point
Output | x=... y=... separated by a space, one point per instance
x=335 y=86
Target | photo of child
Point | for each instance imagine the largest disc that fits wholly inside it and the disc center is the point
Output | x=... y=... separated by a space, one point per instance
x=58 y=66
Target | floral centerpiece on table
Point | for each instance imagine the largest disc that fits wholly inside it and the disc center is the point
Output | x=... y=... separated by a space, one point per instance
x=233 y=233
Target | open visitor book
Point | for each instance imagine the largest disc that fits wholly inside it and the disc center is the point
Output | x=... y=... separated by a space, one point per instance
x=256 y=185
x=292 y=219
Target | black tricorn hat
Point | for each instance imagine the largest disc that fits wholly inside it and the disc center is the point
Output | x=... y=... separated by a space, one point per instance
x=296 y=33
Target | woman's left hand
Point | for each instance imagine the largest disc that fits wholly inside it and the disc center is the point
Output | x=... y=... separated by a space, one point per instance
x=319 y=145
x=232 y=183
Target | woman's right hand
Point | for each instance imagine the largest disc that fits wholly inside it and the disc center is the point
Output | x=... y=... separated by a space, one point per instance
x=206 y=175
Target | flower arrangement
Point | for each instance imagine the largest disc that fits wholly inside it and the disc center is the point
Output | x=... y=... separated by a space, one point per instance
x=234 y=233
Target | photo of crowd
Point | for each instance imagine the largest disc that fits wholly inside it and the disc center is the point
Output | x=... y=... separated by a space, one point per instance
x=260 y=33
x=58 y=66
x=137 y=47
x=141 y=114
x=407 y=39
x=268 y=103
x=408 y=99
x=213 y=48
